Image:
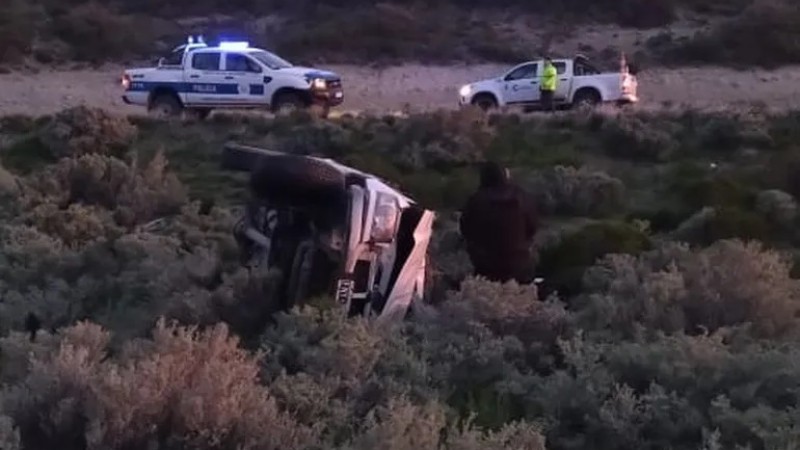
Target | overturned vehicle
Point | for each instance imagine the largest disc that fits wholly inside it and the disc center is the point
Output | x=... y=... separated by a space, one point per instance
x=332 y=231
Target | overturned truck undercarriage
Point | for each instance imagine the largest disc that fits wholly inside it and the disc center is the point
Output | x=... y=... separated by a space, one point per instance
x=332 y=231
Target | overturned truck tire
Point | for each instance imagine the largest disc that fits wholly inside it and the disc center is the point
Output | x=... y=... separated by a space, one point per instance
x=286 y=178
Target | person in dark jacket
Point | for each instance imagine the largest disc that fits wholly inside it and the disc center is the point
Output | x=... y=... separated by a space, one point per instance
x=498 y=224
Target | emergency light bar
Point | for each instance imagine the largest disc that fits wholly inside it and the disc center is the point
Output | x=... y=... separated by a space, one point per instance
x=234 y=45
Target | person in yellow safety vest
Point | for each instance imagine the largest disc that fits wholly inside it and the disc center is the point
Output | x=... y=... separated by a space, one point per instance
x=547 y=85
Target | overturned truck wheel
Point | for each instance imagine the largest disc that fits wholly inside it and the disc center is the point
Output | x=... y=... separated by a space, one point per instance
x=290 y=178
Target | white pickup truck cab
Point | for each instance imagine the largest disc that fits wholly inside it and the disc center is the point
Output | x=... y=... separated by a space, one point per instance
x=198 y=78
x=579 y=83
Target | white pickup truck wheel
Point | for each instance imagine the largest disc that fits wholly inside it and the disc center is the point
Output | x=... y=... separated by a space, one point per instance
x=586 y=98
x=485 y=102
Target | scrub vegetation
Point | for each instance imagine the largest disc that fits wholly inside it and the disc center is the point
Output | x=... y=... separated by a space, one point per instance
x=668 y=319
x=741 y=32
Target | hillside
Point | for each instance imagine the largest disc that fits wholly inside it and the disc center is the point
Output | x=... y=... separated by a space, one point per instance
x=668 y=319
x=728 y=32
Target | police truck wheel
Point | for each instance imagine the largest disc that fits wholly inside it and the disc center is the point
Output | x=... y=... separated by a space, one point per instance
x=485 y=102
x=288 y=103
x=165 y=106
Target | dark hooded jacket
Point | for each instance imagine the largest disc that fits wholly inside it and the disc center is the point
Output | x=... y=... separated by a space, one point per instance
x=498 y=224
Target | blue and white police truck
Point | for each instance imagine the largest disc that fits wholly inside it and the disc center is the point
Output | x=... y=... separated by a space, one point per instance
x=197 y=78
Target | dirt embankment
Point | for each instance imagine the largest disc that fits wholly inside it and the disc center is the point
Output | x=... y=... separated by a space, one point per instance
x=419 y=87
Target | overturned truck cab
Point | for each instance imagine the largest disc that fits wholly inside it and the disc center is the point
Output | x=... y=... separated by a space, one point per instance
x=332 y=231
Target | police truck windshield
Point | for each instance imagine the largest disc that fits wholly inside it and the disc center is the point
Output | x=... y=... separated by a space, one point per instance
x=272 y=61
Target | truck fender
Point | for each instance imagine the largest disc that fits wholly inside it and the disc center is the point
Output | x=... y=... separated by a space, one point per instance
x=163 y=91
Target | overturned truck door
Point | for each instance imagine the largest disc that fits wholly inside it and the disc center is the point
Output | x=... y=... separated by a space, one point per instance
x=333 y=230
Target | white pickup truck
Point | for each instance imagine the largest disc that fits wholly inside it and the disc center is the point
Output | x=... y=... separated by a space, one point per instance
x=198 y=78
x=579 y=83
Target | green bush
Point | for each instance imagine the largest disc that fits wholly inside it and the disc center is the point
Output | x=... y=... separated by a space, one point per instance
x=96 y=33
x=390 y=32
x=562 y=264
x=576 y=192
x=681 y=347
x=81 y=130
x=19 y=26
x=135 y=195
x=632 y=137
x=674 y=289
x=778 y=207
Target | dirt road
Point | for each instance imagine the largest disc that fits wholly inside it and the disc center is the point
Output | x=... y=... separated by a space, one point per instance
x=421 y=87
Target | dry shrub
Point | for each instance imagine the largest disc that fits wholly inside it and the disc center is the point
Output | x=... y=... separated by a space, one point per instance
x=8 y=182
x=676 y=289
x=576 y=192
x=511 y=436
x=508 y=309
x=82 y=130
x=448 y=263
x=136 y=195
x=384 y=32
x=246 y=299
x=631 y=136
x=17 y=349
x=96 y=32
x=777 y=206
x=401 y=425
x=9 y=195
x=186 y=388
x=124 y=283
x=441 y=140
x=711 y=224
x=9 y=435
x=18 y=29
x=76 y=225
x=765 y=34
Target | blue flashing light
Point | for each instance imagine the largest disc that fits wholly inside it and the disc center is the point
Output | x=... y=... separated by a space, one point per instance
x=234 y=45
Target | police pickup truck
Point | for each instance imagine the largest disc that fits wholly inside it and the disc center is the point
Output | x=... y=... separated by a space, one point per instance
x=197 y=78
x=579 y=83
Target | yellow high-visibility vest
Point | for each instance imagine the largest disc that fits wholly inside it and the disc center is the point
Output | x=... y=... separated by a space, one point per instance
x=549 y=78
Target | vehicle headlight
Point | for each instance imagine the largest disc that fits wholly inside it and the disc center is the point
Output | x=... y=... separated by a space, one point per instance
x=318 y=83
x=385 y=219
x=465 y=90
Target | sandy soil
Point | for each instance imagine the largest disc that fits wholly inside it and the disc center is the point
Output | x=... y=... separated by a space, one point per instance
x=417 y=87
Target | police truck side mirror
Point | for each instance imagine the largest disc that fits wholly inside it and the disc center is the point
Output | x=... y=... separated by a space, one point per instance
x=161 y=61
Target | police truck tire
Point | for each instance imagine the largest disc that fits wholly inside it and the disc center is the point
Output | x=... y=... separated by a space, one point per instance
x=165 y=105
x=288 y=102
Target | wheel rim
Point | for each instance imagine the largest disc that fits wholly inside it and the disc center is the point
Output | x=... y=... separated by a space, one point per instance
x=587 y=102
x=162 y=110
x=287 y=108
